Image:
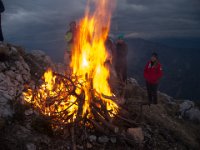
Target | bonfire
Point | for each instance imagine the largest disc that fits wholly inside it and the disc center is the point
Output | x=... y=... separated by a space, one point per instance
x=83 y=97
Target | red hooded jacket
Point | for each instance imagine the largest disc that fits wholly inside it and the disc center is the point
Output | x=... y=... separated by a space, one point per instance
x=152 y=74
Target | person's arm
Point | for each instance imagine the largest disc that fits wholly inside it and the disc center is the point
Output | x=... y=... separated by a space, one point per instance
x=68 y=36
x=159 y=73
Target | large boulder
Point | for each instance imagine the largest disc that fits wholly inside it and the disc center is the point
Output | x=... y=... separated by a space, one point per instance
x=38 y=61
x=193 y=114
x=14 y=73
x=137 y=134
x=189 y=111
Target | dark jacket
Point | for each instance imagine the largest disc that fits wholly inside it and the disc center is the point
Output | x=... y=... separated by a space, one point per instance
x=121 y=54
x=152 y=74
x=2 y=9
x=121 y=61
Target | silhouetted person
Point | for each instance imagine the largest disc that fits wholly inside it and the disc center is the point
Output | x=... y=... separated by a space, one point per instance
x=121 y=59
x=2 y=9
x=111 y=51
x=70 y=39
x=152 y=74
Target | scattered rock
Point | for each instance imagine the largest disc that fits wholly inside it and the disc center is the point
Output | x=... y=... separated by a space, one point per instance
x=193 y=114
x=103 y=139
x=92 y=138
x=185 y=106
x=10 y=74
x=29 y=112
x=19 y=78
x=133 y=81
x=31 y=146
x=168 y=99
x=113 y=140
x=22 y=132
x=5 y=108
x=89 y=146
x=188 y=110
x=137 y=134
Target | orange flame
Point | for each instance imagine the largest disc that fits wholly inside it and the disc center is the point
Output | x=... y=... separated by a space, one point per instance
x=89 y=52
x=51 y=90
x=87 y=63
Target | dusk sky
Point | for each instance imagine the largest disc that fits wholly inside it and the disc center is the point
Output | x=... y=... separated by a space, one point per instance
x=41 y=24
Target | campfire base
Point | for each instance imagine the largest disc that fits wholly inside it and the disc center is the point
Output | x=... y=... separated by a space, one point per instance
x=98 y=121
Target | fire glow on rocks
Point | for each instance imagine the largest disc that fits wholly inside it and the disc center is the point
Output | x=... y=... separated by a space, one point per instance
x=80 y=95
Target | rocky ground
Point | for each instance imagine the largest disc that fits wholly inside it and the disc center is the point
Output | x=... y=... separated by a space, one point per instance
x=170 y=125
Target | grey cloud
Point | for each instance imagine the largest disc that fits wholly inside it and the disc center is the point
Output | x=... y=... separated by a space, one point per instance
x=43 y=23
x=161 y=18
x=131 y=16
x=40 y=24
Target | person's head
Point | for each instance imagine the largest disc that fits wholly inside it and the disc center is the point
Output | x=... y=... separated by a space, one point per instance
x=72 y=25
x=120 y=39
x=154 y=57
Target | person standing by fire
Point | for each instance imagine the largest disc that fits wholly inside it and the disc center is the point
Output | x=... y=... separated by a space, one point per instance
x=152 y=74
x=70 y=39
x=111 y=51
x=2 y=9
x=121 y=59
x=110 y=61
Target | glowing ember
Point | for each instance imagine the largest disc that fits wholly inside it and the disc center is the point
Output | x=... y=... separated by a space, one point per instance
x=89 y=73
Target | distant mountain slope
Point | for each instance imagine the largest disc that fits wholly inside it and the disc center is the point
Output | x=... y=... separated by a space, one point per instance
x=181 y=67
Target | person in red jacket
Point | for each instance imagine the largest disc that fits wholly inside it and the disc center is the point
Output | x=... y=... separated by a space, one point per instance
x=152 y=74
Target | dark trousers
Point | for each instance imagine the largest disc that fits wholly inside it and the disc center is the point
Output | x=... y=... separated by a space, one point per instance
x=152 y=92
x=121 y=70
x=1 y=34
